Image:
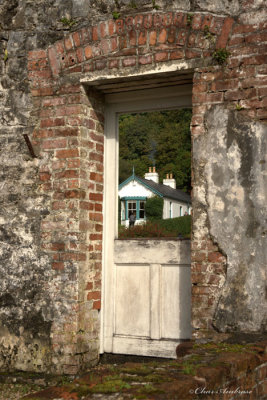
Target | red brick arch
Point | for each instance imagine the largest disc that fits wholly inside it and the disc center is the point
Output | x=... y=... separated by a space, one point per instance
x=135 y=41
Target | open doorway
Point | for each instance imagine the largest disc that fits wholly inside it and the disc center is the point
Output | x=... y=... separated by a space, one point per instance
x=155 y=173
x=147 y=287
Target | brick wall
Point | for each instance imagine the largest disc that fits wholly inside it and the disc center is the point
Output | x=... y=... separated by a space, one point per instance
x=240 y=85
x=69 y=136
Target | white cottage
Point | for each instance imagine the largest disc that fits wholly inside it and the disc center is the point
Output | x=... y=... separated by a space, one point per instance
x=134 y=191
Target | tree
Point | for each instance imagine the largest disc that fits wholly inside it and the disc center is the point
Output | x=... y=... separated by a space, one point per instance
x=159 y=138
x=154 y=208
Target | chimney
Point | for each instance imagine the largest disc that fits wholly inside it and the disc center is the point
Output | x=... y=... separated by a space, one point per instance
x=153 y=176
x=170 y=181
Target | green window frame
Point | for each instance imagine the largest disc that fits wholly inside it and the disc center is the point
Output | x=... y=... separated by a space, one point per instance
x=139 y=208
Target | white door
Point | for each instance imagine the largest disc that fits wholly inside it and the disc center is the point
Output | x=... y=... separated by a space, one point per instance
x=146 y=283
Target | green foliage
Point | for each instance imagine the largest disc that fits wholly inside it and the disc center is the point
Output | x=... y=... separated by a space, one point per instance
x=178 y=226
x=116 y=15
x=154 y=5
x=189 y=19
x=154 y=208
x=189 y=369
x=110 y=385
x=160 y=138
x=172 y=227
x=148 y=230
x=5 y=55
x=67 y=22
x=238 y=107
x=133 y=4
x=208 y=35
x=221 y=56
x=224 y=347
x=148 y=389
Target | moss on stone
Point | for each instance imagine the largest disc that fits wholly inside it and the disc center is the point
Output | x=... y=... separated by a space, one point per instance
x=137 y=370
x=149 y=389
x=111 y=384
x=224 y=347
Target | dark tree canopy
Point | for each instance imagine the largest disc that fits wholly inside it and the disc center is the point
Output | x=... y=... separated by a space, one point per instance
x=158 y=138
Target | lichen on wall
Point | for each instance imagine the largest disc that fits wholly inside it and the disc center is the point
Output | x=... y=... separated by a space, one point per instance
x=25 y=304
x=233 y=151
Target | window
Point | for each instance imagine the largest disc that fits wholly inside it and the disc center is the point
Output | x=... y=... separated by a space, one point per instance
x=142 y=210
x=181 y=211
x=135 y=206
x=122 y=210
x=170 y=209
x=131 y=208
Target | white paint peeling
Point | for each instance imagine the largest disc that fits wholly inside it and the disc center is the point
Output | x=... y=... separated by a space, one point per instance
x=98 y=77
x=254 y=18
x=234 y=156
x=218 y=205
x=236 y=192
x=200 y=194
x=201 y=229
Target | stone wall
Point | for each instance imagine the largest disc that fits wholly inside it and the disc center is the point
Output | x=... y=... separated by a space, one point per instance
x=51 y=205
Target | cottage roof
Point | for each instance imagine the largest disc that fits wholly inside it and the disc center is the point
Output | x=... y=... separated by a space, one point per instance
x=160 y=189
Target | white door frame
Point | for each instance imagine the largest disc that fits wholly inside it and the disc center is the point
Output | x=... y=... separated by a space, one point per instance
x=133 y=101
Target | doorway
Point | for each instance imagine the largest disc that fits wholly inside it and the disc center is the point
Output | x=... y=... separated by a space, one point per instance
x=146 y=283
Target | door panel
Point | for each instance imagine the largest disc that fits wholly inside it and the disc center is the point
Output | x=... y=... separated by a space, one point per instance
x=176 y=300
x=132 y=304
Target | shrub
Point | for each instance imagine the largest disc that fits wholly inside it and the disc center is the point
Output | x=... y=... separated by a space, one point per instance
x=161 y=228
x=154 y=208
x=179 y=225
x=150 y=229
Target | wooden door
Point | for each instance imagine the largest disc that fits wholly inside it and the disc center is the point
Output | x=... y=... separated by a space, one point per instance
x=146 y=290
x=151 y=296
